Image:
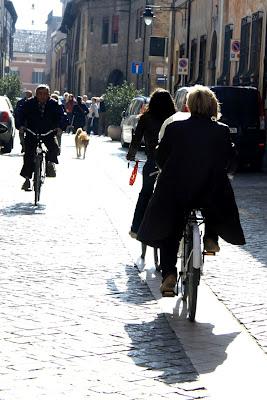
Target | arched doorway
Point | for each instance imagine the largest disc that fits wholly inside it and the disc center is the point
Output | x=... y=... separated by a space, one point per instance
x=115 y=78
x=213 y=56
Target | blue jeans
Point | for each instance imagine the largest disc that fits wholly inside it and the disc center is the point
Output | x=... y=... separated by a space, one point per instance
x=145 y=194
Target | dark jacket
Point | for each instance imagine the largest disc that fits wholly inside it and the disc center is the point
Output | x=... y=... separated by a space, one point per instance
x=193 y=155
x=29 y=116
x=79 y=115
x=148 y=127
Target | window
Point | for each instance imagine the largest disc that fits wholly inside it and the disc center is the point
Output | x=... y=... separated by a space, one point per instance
x=139 y=23
x=115 y=29
x=193 y=56
x=256 y=37
x=244 y=50
x=225 y=77
x=91 y=24
x=105 y=30
x=89 y=84
x=15 y=72
x=202 y=59
x=38 y=77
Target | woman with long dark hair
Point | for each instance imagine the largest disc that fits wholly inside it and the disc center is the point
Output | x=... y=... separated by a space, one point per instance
x=161 y=106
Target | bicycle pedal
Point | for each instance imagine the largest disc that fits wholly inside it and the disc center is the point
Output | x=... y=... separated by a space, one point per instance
x=209 y=253
x=168 y=294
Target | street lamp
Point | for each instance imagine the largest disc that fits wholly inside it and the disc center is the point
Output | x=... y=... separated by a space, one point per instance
x=148 y=16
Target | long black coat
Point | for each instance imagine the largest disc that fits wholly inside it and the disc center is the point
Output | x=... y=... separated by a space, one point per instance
x=193 y=156
x=29 y=116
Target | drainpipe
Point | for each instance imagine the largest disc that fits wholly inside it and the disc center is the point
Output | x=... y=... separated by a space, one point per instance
x=220 y=38
x=188 y=31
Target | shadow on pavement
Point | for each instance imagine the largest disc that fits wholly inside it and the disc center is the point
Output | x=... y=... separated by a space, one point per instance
x=23 y=209
x=136 y=292
x=156 y=348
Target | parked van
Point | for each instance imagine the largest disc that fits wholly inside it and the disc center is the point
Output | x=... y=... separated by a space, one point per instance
x=242 y=110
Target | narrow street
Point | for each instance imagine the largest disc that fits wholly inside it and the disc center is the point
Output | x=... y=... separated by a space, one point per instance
x=80 y=320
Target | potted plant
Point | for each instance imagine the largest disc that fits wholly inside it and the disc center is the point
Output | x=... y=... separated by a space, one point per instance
x=117 y=99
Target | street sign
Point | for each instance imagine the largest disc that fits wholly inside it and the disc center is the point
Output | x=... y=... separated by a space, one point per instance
x=183 y=66
x=234 y=50
x=137 y=68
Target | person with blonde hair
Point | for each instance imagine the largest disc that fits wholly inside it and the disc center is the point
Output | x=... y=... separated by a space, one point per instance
x=193 y=156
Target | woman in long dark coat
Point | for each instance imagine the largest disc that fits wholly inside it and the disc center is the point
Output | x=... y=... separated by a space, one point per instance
x=161 y=106
x=193 y=156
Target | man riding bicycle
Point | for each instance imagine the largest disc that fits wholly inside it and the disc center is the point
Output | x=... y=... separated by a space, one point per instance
x=40 y=114
x=194 y=156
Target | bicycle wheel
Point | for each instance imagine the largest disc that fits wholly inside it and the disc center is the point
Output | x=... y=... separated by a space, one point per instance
x=194 y=272
x=37 y=179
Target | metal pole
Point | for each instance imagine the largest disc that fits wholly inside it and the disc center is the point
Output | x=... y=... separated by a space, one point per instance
x=128 y=41
x=143 y=55
x=172 y=39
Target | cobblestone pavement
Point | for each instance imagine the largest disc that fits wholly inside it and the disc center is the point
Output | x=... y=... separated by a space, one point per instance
x=77 y=321
x=238 y=275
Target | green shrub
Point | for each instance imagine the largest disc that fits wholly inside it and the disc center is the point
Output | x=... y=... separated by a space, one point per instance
x=117 y=99
x=11 y=87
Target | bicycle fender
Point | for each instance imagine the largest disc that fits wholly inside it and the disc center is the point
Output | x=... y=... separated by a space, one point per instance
x=197 y=251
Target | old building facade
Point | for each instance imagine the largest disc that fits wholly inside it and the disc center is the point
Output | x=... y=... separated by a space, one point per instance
x=8 y=18
x=29 y=58
x=107 y=40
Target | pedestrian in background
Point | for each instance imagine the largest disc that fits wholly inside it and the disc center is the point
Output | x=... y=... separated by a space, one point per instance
x=92 y=126
x=20 y=103
x=102 y=130
x=79 y=113
x=69 y=109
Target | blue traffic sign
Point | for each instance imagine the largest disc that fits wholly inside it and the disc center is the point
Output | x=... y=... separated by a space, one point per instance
x=137 y=68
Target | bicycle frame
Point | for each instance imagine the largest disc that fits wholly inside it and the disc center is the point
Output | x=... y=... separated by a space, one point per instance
x=39 y=162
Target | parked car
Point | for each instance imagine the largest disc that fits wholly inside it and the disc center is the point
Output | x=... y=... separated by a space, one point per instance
x=130 y=118
x=7 y=119
x=242 y=109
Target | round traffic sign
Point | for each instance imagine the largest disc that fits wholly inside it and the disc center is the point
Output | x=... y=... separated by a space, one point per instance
x=235 y=46
x=183 y=63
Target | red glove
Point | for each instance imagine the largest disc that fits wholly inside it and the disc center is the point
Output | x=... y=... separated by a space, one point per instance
x=134 y=173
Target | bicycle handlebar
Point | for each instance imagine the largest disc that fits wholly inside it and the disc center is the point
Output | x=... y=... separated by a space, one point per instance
x=41 y=134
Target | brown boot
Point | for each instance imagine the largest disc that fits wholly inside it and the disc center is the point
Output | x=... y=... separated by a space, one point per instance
x=211 y=246
x=167 y=287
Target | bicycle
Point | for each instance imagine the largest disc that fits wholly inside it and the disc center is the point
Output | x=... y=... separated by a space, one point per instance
x=39 y=164
x=192 y=260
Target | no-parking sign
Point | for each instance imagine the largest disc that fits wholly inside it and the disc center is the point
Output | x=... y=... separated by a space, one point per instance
x=234 y=50
x=183 y=66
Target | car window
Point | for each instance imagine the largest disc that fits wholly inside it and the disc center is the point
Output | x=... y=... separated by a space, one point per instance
x=238 y=105
x=8 y=103
x=137 y=107
x=130 y=107
x=180 y=99
x=3 y=104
